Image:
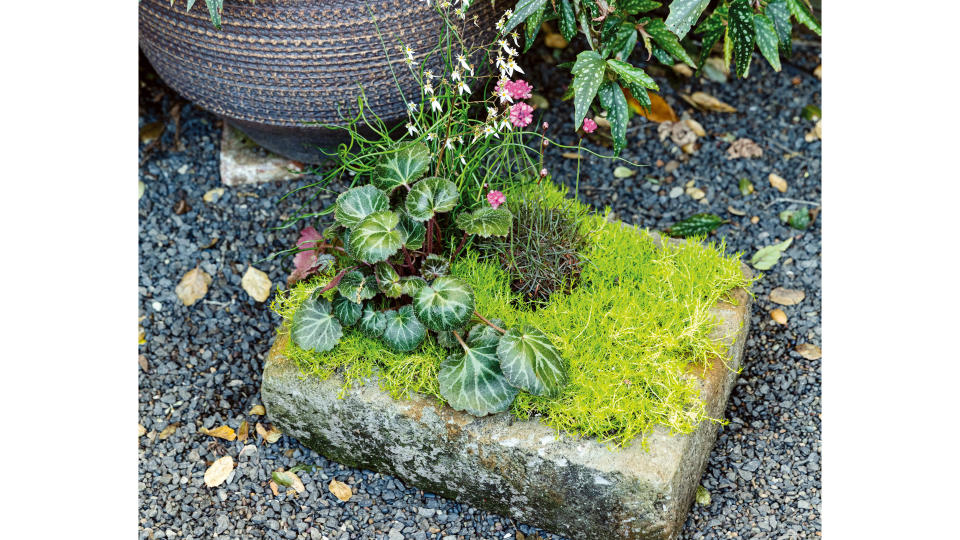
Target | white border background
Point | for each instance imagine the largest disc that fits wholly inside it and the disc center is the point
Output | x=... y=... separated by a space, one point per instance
x=891 y=307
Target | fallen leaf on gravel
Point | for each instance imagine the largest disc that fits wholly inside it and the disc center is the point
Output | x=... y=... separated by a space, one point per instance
x=798 y=219
x=571 y=155
x=682 y=69
x=678 y=132
x=703 y=496
x=141 y=187
x=257 y=284
x=766 y=257
x=736 y=212
x=695 y=126
x=809 y=351
x=811 y=112
x=152 y=434
x=341 y=490
x=141 y=431
x=815 y=133
x=274 y=488
x=141 y=335
x=221 y=432
x=601 y=122
x=660 y=110
x=213 y=195
x=715 y=70
x=168 y=431
x=786 y=297
x=705 y=101
x=288 y=479
x=243 y=431
x=193 y=286
x=218 y=472
x=142 y=360
x=258 y=410
x=778 y=316
x=746 y=186
x=696 y=193
x=623 y=172
x=270 y=435
x=744 y=148
x=554 y=41
x=778 y=182
x=151 y=131
x=818 y=72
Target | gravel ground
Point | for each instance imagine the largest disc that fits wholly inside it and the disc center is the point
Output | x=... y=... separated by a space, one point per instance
x=203 y=363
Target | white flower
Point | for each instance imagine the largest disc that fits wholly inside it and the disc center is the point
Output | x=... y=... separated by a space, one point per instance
x=409 y=61
x=488 y=131
x=449 y=144
x=428 y=75
x=456 y=75
x=459 y=139
x=501 y=63
x=428 y=88
x=412 y=129
x=512 y=66
x=462 y=60
x=462 y=160
x=464 y=89
x=407 y=51
x=502 y=92
x=411 y=107
x=460 y=13
x=505 y=125
x=515 y=37
x=435 y=104
x=491 y=112
x=500 y=24
x=431 y=136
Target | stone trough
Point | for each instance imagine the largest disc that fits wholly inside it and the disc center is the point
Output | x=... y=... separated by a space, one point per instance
x=574 y=487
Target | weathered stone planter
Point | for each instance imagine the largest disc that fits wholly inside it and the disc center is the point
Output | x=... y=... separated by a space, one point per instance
x=523 y=469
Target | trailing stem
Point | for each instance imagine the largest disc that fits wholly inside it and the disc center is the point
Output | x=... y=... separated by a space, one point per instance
x=488 y=323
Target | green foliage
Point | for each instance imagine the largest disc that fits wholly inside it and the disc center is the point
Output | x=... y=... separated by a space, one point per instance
x=431 y=196
x=407 y=164
x=376 y=237
x=767 y=40
x=531 y=362
x=766 y=257
x=683 y=14
x=696 y=225
x=403 y=331
x=346 y=311
x=613 y=100
x=314 y=326
x=587 y=77
x=486 y=222
x=357 y=203
x=445 y=304
x=741 y=29
x=472 y=381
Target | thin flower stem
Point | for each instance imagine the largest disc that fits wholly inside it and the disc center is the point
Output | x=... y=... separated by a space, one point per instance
x=488 y=323
x=457 y=251
x=462 y=344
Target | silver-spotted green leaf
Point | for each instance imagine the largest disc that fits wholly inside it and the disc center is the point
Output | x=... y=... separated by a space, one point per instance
x=472 y=381
x=483 y=334
x=314 y=327
x=524 y=9
x=372 y=322
x=619 y=40
x=568 y=20
x=532 y=27
x=530 y=361
x=741 y=31
x=357 y=203
x=632 y=75
x=683 y=15
x=766 y=36
x=215 y=7
x=403 y=331
x=712 y=29
x=613 y=100
x=434 y=266
x=486 y=222
x=431 y=196
x=346 y=310
x=445 y=304
x=357 y=286
x=779 y=15
x=388 y=280
x=376 y=237
x=637 y=6
x=640 y=94
x=667 y=41
x=411 y=285
x=663 y=56
x=402 y=168
x=413 y=232
x=800 y=11
x=727 y=48
x=587 y=78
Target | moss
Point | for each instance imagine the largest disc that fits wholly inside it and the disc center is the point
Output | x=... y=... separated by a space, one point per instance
x=629 y=331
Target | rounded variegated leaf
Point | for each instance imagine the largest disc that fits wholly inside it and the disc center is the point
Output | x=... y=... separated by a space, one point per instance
x=346 y=310
x=531 y=362
x=346 y=244
x=472 y=382
x=434 y=266
x=357 y=287
x=486 y=222
x=403 y=331
x=413 y=232
x=447 y=340
x=388 y=280
x=314 y=327
x=411 y=285
x=376 y=237
x=357 y=203
x=444 y=304
x=483 y=334
x=403 y=167
x=372 y=322
x=431 y=196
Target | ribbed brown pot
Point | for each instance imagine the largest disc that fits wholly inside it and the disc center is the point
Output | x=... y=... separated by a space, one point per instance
x=278 y=64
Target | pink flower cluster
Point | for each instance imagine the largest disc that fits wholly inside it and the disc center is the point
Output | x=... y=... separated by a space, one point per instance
x=521 y=114
x=589 y=125
x=519 y=89
x=496 y=198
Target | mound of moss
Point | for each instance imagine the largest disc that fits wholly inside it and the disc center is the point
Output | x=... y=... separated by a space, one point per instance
x=630 y=330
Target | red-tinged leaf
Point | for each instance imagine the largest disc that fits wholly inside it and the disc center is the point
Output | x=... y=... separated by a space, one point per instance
x=336 y=279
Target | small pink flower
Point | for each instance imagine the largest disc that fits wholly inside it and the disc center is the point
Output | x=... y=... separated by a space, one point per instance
x=496 y=198
x=521 y=114
x=545 y=125
x=543 y=173
x=519 y=89
x=589 y=125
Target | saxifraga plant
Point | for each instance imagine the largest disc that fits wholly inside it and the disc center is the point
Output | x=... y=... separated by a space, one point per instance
x=393 y=284
x=544 y=252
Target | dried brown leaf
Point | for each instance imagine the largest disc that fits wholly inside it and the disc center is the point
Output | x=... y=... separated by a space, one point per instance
x=809 y=351
x=271 y=434
x=144 y=365
x=735 y=211
x=214 y=194
x=256 y=283
x=218 y=472
x=778 y=182
x=258 y=410
x=168 y=431
x=694 y=125
x=141 y=431
x=660 y=110
x=274 y=488
x=340 y=490
x=193 y=286
x=744 y=148
x=786 y=297
x=151 y=131
x=778 y=316
x=706 y=102
x=243 y=431
x=818 y=72
x=221 y=432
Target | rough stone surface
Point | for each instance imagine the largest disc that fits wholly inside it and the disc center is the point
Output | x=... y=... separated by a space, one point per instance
x=574 y=487
x=242 y=161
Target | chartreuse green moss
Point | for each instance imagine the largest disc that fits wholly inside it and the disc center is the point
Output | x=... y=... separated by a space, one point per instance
x=630 y=331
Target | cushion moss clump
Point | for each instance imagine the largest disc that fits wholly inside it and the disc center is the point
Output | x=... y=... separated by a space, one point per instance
x=630 y=330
